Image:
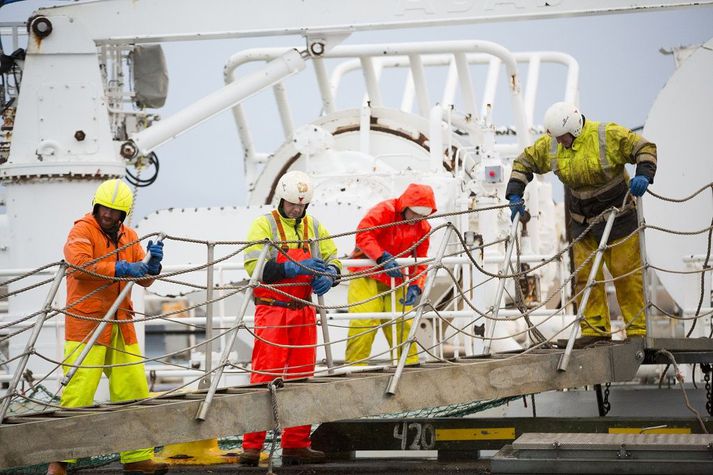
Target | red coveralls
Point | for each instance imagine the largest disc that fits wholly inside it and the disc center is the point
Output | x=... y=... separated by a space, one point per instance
x=284 y=322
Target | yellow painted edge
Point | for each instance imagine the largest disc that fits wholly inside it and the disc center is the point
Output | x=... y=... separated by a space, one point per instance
x=490 y=433
x=643 y=430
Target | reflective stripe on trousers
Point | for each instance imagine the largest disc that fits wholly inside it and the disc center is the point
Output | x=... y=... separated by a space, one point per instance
x=125 y=382
x=283 y=326
x=620 y=259
x=359 y=346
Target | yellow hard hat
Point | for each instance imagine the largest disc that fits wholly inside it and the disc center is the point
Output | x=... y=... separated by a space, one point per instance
x=114 y=194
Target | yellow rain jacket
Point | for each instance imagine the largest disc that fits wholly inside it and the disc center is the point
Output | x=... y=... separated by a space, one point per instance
x=266 y=226
x=592 y=171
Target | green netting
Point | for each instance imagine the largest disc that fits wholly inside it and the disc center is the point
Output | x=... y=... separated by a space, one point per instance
x=82 y=464
x=452 y=410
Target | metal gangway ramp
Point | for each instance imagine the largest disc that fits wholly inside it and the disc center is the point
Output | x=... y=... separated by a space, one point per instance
x=106 y=428
x=338 y=391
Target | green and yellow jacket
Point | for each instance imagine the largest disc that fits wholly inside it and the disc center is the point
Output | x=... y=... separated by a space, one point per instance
x=592 y=171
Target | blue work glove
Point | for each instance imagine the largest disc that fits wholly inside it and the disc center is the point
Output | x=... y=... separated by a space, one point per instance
x=411 y=295
x=312 y=264
x=391 y=268
x=130 y=269
x=517 y=205
x=638 y=185
x=322 y=283
x=156 y=251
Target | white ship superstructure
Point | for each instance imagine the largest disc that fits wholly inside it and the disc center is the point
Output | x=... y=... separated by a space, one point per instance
x=450 y=114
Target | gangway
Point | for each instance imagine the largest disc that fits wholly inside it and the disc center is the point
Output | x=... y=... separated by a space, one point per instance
x=107 y=428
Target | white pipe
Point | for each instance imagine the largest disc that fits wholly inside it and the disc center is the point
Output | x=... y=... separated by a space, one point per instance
x=491 y=83
x=283 y=106
x=372 y=82
x=449 y=90
x=466 y=85
x=478 y=50
x=419 y=82
x=320 y=71
x=409 y=92
x=245 y=137
x=533 y=77
x=218 y=101
x=436 y=137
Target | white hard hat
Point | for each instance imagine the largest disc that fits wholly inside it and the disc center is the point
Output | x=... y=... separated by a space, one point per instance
x=563 y=118
x=295 y=187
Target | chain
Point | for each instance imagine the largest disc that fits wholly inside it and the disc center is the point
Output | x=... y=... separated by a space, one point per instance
x=133 y=198
x=606 y=406
x=706 y=368
x=273 y=386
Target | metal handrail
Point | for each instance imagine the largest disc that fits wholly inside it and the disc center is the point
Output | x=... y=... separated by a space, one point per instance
x=394 y=380
x=501 y=280
x=564 y=360
x=323 y=320
x=29 y=347
x=205 y=404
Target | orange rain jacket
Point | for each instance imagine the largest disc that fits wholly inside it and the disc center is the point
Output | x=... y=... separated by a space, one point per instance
x=86 y=242
x=395 y=239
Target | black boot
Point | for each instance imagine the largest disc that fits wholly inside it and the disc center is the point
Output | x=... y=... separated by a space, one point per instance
x=302 y=456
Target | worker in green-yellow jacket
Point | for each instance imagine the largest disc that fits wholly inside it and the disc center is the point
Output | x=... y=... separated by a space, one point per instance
x=285 y=321
x=589 y=158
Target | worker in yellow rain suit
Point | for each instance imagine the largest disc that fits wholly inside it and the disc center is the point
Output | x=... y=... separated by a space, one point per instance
x=589 y=158
x=381 y=245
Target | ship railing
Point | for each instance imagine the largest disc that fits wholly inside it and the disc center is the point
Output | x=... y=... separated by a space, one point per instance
x=235 y=324
x=455 y=251
x=424 y=63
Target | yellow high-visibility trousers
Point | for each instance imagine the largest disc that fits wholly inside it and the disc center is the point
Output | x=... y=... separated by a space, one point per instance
x=620 y=259
x=359 y=346
x=125 y=382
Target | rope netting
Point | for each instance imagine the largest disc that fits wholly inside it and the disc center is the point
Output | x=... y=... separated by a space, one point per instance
x=32 y=395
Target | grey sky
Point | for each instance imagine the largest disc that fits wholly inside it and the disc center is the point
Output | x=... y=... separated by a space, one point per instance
x=621 y=73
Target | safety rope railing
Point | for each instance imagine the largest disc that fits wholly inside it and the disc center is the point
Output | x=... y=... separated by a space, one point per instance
x=330 y=314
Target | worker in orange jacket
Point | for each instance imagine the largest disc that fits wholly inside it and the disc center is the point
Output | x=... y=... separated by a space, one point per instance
x=381 y=245
x=94 y=236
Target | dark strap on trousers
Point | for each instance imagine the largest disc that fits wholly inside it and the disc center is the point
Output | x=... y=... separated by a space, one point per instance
x=293 y=304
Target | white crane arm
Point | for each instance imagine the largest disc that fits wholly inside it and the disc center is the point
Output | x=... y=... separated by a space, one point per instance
x=137 y=21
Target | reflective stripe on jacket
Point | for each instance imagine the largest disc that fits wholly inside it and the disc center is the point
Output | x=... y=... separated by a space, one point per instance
x=592 y=170
x=395 y=239
x=595 y=161
x=275 y=227
x=86 y=242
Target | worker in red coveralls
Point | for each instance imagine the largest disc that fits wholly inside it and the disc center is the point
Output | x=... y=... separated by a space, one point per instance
x=282 y=320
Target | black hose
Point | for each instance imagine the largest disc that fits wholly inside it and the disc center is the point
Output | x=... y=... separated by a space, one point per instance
x=139 y=182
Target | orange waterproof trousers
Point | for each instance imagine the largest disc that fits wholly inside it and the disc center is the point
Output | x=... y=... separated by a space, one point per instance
x=283 y=327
